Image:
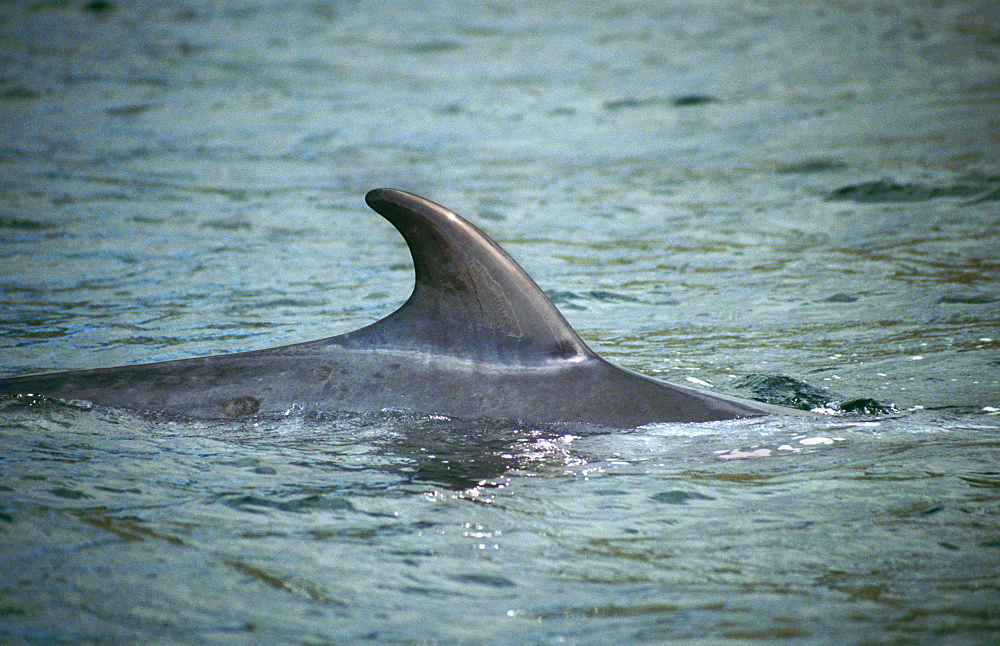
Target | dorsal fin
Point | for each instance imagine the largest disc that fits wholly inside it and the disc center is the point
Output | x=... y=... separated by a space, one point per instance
x=471 y=299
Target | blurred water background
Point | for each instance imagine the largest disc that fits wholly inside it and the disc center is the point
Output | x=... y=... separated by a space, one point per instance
x=759 y=196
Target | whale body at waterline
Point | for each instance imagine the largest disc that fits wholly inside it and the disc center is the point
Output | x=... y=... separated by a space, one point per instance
x=476 y=339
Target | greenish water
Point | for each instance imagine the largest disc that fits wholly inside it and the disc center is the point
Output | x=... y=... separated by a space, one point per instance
x=706 y=190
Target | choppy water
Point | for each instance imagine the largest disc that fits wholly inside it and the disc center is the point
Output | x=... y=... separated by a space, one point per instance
x=707 y=190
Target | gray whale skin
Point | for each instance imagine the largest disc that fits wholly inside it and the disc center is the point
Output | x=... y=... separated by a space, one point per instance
x=476 y=339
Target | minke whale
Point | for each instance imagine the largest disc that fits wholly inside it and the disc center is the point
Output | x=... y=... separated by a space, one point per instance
x=476 y=339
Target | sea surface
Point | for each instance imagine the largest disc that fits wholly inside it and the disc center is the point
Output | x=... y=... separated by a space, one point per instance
x=793 y=201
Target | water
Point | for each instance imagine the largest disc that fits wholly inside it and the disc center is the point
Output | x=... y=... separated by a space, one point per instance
x=708 y=191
